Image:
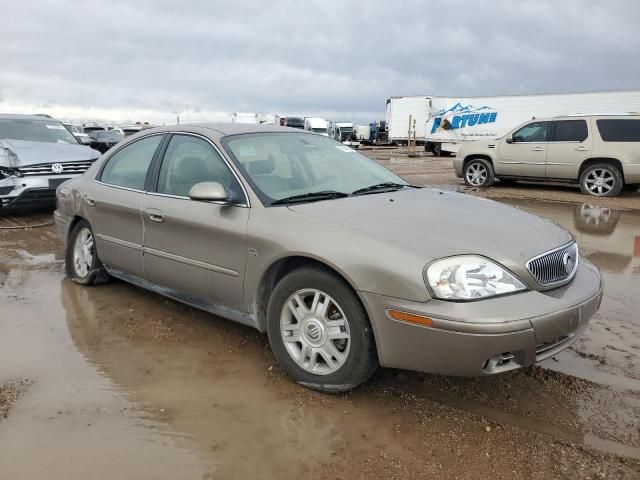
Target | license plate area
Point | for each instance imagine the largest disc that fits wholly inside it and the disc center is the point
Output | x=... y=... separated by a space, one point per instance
x=55 y=182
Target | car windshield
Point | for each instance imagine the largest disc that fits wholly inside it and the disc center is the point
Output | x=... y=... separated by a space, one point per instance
x=282 y=165
x=36 y=131
x=108 y=135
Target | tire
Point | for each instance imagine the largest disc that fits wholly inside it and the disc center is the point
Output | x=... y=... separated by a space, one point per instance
x=82 y=263
x=437 y=150
x=316 y=361
x=478 y=172
x=601 y=180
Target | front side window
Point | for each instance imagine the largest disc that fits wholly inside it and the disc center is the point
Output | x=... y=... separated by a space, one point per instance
x=128 y=166
x=619 y=130
x=190 y=160
x=281 y=165
x=535 y=132
x=35 y=130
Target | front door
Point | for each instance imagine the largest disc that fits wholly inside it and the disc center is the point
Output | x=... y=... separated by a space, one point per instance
x=113 y=205
x=570 y=144
x=526 y=156
x=195 y=249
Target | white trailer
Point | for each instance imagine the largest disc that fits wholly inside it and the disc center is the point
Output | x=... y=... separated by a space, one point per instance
x=238 y=117
x=444 y=123
x=316 y=125
x=362 y=132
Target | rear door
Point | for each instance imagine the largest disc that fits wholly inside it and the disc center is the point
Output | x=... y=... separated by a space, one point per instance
x=113 y=205
x=569 y=145
x=195 y=249
x=526 y=156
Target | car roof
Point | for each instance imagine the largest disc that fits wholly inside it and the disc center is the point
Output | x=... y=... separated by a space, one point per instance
x=20 y=116
x=574 y=116
x=221 y=129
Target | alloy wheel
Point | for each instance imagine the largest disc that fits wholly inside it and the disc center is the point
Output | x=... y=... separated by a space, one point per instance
x=477 y=174
x=315 y=331
x=599 y=181
x=83 y=252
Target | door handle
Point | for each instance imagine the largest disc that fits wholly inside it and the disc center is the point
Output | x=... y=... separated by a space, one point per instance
x=538 y=149
x=581 y=149
x=90 y=201
x=155 y=215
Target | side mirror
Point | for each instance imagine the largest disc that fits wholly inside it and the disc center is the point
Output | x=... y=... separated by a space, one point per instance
x=509 y=139
x=209 y=192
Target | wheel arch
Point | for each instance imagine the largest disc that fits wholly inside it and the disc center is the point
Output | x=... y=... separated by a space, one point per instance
x=478 y=156
x=614 y=162
x=281 y=267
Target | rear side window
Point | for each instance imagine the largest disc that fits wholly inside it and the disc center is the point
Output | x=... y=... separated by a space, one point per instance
x=619 y=130
x=570 y=131
x=128 y=166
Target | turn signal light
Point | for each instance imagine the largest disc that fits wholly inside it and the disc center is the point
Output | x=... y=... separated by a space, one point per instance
x=409 y=318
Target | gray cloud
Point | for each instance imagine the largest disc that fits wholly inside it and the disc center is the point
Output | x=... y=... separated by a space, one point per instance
x=340 y=59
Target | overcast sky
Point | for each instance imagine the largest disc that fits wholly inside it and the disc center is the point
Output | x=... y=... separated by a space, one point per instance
x=150 y=60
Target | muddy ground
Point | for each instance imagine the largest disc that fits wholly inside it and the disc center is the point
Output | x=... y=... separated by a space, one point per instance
x=115 y=382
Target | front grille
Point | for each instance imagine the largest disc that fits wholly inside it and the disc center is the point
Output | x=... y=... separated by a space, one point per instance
x=554 y=267
x=68 y=168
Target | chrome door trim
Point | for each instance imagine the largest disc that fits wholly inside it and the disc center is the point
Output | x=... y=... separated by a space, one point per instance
x=120 y=243
x=119 y=186
x=189 y=261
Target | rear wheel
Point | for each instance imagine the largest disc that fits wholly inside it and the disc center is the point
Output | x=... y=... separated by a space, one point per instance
x=478 y=172
x=319 y=331
x=601 y=180
x=82 y=262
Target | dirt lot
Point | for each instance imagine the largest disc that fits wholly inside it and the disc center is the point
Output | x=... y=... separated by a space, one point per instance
x=115 y=382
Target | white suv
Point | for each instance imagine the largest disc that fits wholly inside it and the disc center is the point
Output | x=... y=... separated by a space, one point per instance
x=600 y=152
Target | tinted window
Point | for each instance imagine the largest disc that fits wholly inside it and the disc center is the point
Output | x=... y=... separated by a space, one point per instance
x=619 y=130
x=533 y=132
x=128 y=166
x=571 y=131
x=190 y=160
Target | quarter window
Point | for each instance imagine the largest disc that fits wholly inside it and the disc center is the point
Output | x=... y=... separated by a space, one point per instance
x=128 y=166
x=190 y=160
x=571 y=131
x=535 y=132
x=619 y=130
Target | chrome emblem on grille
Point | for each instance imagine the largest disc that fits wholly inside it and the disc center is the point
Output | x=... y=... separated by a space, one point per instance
x=569 y=262
x=57 y=168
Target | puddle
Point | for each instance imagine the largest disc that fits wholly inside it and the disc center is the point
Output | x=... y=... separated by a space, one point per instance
x=127 y=384
x=609 y=351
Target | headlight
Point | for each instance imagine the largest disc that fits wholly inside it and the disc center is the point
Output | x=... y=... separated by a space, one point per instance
x=470 y=277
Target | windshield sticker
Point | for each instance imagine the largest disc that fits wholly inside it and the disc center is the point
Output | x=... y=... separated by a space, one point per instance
x=345 y=149
x=56 y=127
x=247 y=151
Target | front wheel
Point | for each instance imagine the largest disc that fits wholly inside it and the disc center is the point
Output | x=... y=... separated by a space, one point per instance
x=601 y=180
x=82 y=262
x=319 y=331
x=479 y=173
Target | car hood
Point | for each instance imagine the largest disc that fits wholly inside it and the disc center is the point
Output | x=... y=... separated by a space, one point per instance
x=20 y=153
x=435 y=224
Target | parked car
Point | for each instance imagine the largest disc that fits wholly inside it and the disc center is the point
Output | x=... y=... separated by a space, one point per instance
x=82 y=137
x=103 y=140
x=37 y=154
x=599 y=152
x=342 y=263
x=294 y=122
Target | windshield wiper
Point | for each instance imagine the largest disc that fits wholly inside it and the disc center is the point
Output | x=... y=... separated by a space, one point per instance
x=382 y=187
x=310 y=197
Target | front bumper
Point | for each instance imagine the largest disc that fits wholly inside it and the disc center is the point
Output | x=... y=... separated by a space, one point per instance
x=486 y=336
x=457 y=165
x=17 y=193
